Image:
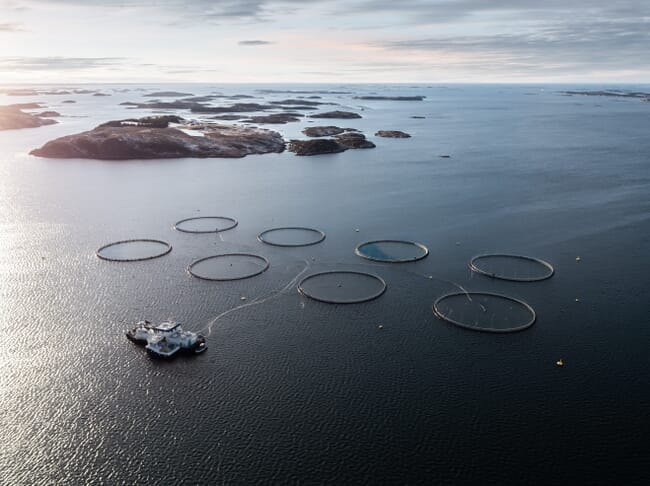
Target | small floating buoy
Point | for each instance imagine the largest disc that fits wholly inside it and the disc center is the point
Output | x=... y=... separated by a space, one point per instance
x=577 y=300
x=559 y=363
x=578 y=259
x=430 y=277
x=380 y=326
x=242 y=298
x=357 y=230
x=458 y=243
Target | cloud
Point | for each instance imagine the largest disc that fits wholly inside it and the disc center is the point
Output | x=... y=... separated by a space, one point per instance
x=208 y=10
x=10 y=28
x=254 y=43
x=582 y=42
x=58 y=63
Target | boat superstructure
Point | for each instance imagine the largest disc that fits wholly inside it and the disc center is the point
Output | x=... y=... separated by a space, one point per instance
x=166 y=339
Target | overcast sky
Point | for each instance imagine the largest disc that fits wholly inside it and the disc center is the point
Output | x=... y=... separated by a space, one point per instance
x=325 y=40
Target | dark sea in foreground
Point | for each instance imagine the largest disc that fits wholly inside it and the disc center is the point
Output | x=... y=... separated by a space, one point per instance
x=293 y=391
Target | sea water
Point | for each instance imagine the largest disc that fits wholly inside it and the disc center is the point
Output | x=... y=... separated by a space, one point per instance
x=294 y=391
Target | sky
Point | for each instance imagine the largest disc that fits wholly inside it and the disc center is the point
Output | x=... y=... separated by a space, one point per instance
x=323 y=41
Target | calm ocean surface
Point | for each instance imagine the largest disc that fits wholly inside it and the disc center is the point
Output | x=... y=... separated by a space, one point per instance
x=294 y=391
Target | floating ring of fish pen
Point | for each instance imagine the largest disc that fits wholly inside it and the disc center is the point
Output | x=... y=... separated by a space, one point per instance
x=465 y=325
x=548 y=268
x=232 y=222
x=319 y=236
x=166 y=249
x=378 y=281
x=260 y=258
x=422 y=251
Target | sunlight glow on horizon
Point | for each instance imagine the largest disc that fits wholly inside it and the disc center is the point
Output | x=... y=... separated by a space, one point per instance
x=267 y=41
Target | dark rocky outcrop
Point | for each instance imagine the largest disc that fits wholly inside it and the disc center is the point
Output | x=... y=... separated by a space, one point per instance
x=315 y=147
x=12 y=117
x=284 y=91
x=275 y=118
x=326 y=131
x=302 y=102
x=353 y=140
x=168 y=94
x=392 y=134
x=199 y=99
x=195 y=107
x=226 y=117
x=48 y=114
x=236 y=108
x=391 y=98
x=234 y=97
x=337 y=114
x=141 y=142
x=296 y=107
x=614 y=93
x=161 y=121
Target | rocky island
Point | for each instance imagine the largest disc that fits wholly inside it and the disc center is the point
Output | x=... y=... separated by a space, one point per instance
x=337 y=114
x=392 y=134
x=326 y=131
x=149 y=138
x=317 y=146
x=13 y=117
x=340 y=143
x=274 y=118
x=390 y=98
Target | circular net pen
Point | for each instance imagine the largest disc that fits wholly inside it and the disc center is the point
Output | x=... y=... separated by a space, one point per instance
x=342 y=287
x=291 y=236
x=205 y=224
x=228 y=266
x=485 y=312
x=516 y=268
x=392 y=251
x=134 y=250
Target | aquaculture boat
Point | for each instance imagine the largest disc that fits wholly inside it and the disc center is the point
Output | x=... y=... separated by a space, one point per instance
x=166 y=339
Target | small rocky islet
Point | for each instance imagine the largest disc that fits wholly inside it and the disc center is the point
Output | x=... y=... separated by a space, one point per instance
x=392 y=134
x=344 y=139
x=344 y=115
x=12 y=117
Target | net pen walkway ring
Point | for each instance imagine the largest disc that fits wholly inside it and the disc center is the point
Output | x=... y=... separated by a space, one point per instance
x=265 y=266
x=474 y=265
x=232 y=222
x=447 y=318
x=319 y=236
x=422 y=251
x=166 y=248
x=380 y=282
